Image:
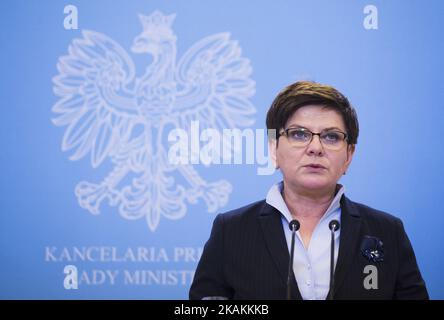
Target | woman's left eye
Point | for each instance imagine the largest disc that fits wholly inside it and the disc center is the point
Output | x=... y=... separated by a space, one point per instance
x=331 y=136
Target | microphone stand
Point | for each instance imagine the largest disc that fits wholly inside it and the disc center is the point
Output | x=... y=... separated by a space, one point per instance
x=334 y=226
x=294 y=226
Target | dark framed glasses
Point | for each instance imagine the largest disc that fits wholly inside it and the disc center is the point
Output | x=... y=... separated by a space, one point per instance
x=332 y=139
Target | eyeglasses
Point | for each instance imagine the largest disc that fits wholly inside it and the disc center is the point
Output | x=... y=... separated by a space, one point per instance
x=301 y=137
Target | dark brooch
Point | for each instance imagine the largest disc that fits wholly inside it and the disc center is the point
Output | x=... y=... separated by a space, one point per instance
x=373 y=249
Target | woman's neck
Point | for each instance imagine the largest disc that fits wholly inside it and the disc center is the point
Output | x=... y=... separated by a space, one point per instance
x=307 y=205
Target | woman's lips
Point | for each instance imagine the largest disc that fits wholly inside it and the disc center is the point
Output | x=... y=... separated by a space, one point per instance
x=314 y=168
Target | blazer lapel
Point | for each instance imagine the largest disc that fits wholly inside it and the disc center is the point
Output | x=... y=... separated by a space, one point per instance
x=271 y=225
x=348 y=240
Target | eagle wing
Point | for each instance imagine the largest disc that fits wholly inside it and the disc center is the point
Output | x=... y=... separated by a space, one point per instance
x=95 y=103
x=214 y=85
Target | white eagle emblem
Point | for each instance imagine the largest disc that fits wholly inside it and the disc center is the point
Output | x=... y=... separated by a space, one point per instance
x=109 y=112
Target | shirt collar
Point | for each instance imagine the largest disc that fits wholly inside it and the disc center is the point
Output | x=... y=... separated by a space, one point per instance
x=275 y=199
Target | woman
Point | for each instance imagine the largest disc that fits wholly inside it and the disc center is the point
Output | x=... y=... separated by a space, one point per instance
x=248 y=252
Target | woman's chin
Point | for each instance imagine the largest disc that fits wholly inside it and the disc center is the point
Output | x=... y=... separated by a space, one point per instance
x=314 y=184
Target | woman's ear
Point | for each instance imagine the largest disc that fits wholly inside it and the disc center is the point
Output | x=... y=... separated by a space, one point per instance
x=350 y=152
x=272 y=151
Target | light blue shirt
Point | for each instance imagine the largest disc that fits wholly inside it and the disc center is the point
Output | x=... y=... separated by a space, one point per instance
x=311 y=266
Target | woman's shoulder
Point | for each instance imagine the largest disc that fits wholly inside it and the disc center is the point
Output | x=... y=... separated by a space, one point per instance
x=248 y=211
x=369 y=213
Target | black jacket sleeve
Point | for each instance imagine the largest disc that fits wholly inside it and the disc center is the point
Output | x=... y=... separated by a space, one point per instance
x=409 y=282
x=209 y=280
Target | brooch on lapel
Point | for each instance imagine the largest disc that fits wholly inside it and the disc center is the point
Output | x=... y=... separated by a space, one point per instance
x=373 y=249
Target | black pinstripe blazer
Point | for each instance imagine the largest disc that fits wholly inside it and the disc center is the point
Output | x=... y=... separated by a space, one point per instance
x=246 y=257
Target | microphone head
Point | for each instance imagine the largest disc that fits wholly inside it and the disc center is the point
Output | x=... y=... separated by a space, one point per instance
x=334 y=225
x=294 y=224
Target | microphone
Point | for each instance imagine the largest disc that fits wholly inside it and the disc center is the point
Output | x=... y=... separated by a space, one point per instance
x=294 y=226
x=334 y=226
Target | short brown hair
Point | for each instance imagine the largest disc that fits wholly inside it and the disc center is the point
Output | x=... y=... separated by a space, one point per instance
x=303 y=93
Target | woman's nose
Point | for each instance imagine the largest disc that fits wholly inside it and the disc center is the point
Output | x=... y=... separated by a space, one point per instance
x=315 y=146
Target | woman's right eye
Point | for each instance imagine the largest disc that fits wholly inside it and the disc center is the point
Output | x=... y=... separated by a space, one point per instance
x=299 y=134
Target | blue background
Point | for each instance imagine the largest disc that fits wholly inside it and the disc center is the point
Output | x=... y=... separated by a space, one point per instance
x=393 y=76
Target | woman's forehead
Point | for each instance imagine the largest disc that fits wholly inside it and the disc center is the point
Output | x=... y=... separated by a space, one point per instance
x=316 y=118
